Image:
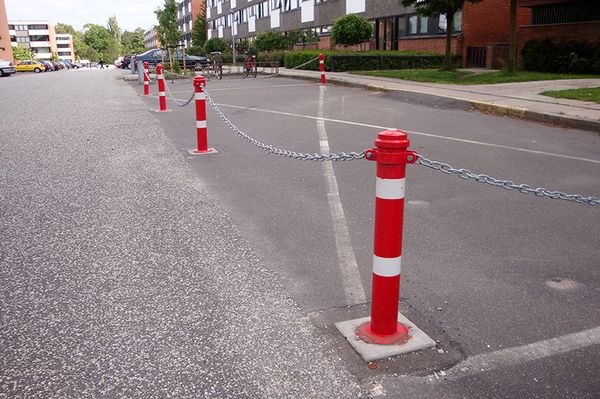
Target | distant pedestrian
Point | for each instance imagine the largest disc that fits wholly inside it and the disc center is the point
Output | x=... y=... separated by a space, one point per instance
x=101 y=65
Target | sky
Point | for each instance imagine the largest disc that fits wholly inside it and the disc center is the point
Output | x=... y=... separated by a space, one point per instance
x=130 y=13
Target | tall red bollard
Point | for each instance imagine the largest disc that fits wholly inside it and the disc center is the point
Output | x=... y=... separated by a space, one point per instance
x=146 y=80
x=201 y=130
x=392 y=155
x=160 y=78
x=322 y=67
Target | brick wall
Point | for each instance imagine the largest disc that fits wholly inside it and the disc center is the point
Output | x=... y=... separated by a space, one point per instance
x=6 y=52
x=488 y=23
x=435 y=44
x=584 y=31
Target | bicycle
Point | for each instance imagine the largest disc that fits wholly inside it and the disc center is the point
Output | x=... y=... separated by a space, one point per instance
x=214 y=67
x=250 y=66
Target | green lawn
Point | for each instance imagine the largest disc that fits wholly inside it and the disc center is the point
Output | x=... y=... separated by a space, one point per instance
x=591 y=94
x=469 y=78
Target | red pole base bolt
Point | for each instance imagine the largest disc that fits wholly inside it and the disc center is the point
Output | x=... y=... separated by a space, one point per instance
x=400 y=336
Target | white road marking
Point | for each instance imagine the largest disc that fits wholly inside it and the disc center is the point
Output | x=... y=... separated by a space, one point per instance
x=506 y=147
x=353 y=287
x=261 y=87
x=525 y=353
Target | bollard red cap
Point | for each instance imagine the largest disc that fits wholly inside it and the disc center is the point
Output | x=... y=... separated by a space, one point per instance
x=160 y=69
x=199 y=82
x=392 y=140
x=146 y=64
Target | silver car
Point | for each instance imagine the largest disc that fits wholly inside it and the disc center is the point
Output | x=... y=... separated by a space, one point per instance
x=6 y=68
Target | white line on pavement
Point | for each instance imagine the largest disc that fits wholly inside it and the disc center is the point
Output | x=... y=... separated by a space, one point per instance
x=416 y=133
x=525 y=353
x=353 y=287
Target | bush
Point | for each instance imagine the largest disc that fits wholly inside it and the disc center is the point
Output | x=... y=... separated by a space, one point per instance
x=365 y=61
x=214 y=44
x=564 y=57
x=269 y=41
x=351 y=29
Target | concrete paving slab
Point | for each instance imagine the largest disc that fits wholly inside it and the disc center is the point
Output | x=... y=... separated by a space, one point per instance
x=369 y=352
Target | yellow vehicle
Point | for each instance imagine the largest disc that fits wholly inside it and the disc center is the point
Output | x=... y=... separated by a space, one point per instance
x=30 y=66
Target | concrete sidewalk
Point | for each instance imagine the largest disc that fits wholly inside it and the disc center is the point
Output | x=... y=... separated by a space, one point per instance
x=521 y=100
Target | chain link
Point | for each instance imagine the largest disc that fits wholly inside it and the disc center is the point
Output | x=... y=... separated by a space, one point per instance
x=506 y=184
x=175 y=100
x=342 y=156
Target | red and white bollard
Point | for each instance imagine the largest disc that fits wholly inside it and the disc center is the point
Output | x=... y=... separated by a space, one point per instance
x=201 y=130
x=146 y=80
x=322 y=67
x=392 y=155
x=160 y=79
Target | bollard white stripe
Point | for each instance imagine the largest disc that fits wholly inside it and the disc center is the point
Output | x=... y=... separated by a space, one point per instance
x=161 y=93
x=200 y=96
x=146 y=82
x=387 y=267
x=201 y=124
x=389 y=188
x=321 y=62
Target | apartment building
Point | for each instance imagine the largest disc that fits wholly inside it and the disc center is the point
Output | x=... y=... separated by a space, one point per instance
x=480 y=33
x=151 y=38
x=64 y=47
x=187 y=12
x=5 y=45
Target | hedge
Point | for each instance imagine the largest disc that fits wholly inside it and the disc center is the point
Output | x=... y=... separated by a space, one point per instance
x=564 y=57
x=363 y=61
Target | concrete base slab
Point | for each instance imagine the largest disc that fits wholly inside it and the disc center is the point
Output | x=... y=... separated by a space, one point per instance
x=210 y=151
x=369 y=352
x=158 y=111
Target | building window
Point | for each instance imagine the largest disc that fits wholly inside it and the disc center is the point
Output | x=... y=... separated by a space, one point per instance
x=584 y=11
x=39 y=38
x=412 y=24
x=63 y=46
x=22 y=39
x=423 y=24
x=38 y=27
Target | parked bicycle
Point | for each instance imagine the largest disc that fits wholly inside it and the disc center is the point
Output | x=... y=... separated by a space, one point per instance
x=214 y=68
x=250 y=68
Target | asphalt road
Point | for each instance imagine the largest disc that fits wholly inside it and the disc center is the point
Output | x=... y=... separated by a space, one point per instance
x=131 y=268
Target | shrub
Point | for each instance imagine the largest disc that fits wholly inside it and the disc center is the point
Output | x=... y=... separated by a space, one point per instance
x=351 y=29
x=340 y=61
x=269 y=41
x=214 y=44
x=563 y=57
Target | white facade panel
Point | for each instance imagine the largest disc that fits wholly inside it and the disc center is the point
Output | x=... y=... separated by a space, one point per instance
x=39 y=32
x=39 y=44
x=234 y=28
x=221 y=32
x=209 y=34
x=355 y=6
x=275 y=18
x=232 y=4
x=207 y=12
x=307 y=13
x=43 y=56
x=219 y=8
x=252 y=24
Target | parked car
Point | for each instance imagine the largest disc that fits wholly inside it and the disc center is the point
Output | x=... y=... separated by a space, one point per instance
x=6 y=68
x=155 y=56
x=57 y=65
x=126 y=61
x=30 y=66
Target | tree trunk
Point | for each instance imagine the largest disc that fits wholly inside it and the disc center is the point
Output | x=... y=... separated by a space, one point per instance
x=512 y=50
x=448 y=65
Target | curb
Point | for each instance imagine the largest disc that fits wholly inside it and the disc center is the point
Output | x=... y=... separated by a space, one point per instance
x=495 y=109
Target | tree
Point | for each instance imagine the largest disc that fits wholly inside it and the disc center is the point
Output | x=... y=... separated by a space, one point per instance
x=214 y=44
x=54 y=56
x=133 y=42
x=99 y=38
x=23 y=54
x=512 y=47
x=198 y=34
x=64 y=28
x=167 y=26
x=350 y=30
x=270 y=41
x=445 y=7
x=114 y=28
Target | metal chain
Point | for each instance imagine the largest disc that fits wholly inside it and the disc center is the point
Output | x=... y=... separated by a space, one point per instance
x=149 y=78
x=175 y=100
x=507 y=184
x=342 y=156
x=306 y=63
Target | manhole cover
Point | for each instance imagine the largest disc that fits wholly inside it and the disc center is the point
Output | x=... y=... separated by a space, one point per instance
x=560 y=283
